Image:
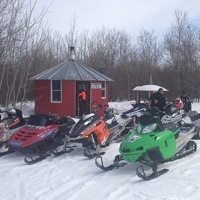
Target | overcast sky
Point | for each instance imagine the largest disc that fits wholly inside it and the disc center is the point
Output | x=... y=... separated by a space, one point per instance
x=129 y=15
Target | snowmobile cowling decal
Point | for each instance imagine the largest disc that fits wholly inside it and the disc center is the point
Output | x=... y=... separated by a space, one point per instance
x=134 y=137
x=15 y=144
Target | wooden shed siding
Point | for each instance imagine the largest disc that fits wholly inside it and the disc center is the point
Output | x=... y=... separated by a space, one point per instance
x=67 y=107
x=68 y=94
x=96 y=96
x=43 y=98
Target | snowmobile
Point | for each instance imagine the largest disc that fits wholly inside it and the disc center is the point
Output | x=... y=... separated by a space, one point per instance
x=151 y=144
x=175 y=114
x=95 y=132
x=9 y=124
x=13 y=119
x=40 y=137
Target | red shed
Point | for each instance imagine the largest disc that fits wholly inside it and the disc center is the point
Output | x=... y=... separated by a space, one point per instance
x=56 y=88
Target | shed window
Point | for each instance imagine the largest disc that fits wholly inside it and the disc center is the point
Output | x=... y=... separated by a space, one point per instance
x=56 y=91
x=103 y=89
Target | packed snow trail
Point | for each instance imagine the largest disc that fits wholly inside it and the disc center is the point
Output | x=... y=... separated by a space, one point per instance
x=74 y=177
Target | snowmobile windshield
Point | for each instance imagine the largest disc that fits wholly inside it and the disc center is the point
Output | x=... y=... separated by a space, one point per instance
x=146 y=129
x=149 y=123
x=146 y=119
x=36 y=120
x=82 y=125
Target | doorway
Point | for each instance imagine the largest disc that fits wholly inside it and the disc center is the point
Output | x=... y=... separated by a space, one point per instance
x=83 y=85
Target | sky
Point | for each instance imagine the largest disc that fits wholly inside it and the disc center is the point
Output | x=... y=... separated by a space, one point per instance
x=129 y=15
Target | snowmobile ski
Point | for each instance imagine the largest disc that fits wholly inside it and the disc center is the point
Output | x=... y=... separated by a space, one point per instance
x=6 y=152
x=33 y=161
x=141 y=173
x=190 y=148
x=90 y=155
x=115 y=164
x=59 y=153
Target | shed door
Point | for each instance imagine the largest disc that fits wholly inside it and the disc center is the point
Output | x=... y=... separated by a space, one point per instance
x=85 y=85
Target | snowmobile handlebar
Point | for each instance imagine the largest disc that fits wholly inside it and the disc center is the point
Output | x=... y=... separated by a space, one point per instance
x=95 y=106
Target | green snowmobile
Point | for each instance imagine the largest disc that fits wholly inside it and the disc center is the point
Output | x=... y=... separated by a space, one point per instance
x=151 y=144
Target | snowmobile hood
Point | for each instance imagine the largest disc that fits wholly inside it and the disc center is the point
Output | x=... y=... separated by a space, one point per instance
x=135 y=144
x=28 y=135
x=83 y=126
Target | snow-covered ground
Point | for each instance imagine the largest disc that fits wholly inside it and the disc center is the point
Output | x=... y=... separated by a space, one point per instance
x=74 y=177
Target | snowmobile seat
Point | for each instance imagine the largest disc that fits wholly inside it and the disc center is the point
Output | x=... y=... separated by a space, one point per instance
x=113 y=123
x=62 y=128
x=194 y=115
x=62 y=120
x=38 y=120
x=19 y=114
x=170 y=127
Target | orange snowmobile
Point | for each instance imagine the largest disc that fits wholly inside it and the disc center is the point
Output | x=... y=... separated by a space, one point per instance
x=97 y=132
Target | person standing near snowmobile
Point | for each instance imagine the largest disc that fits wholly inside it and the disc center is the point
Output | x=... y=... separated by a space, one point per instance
x=186 y=101
x=82 y=101
x=157 y=99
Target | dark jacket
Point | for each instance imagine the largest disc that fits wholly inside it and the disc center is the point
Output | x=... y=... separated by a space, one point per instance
x=186 y=103
x=157 y=100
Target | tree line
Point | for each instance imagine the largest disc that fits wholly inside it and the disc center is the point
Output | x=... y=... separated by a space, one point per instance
x=28 y=47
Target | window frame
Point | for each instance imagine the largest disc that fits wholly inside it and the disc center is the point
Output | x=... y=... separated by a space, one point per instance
x=60 y=90
x=103 y=89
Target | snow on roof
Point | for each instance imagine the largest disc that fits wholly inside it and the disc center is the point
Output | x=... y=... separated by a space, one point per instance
x=148 y=88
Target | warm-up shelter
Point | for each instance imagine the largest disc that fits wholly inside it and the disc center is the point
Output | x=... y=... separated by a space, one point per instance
x=146 y=88
x=56 y=89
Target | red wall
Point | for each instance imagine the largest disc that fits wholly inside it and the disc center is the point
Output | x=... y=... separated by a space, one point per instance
x=96 y=96
x=67 y=107
x=43 y=103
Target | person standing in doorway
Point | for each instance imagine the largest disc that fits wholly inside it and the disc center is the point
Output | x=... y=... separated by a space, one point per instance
x=82 y=97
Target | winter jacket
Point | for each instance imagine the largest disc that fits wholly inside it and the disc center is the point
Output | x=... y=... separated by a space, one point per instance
x=157 y=100
x=186 y=103
x=82 y=95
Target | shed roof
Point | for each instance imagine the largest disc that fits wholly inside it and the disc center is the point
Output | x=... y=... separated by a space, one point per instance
x=148 y=88
x=71 y=70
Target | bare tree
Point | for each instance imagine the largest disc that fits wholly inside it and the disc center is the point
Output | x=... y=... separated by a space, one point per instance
x=18 y=21
x=182 y=53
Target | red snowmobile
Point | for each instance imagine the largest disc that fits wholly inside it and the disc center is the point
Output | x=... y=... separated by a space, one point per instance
x=40 y=137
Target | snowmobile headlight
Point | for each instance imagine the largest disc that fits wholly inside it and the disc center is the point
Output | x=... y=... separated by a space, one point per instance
x=149 y=128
